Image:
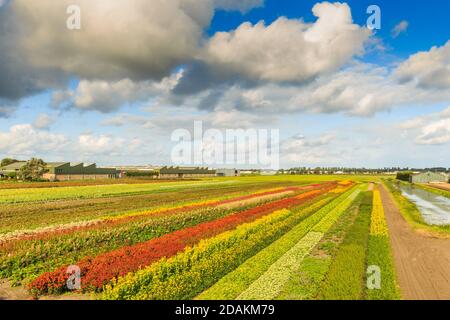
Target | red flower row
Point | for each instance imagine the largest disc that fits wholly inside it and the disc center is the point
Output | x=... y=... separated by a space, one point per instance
x=99 y=270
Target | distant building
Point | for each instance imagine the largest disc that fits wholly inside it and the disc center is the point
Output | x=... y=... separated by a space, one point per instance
x=12 y=168
x=63 y=171
x=268 y=172
x=428 y=177
x=185 y=172
x=227 y=172
x=136 y=171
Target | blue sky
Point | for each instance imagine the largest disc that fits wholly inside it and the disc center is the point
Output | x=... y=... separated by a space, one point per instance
x=113 y=92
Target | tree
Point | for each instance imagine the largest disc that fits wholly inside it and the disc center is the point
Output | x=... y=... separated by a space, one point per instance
x=7 y=162
x=33 y=170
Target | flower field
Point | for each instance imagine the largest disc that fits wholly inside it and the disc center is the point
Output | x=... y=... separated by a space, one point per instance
x=214 y=239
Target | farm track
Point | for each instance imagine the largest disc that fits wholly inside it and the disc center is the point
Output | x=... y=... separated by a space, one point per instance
x=422 y=262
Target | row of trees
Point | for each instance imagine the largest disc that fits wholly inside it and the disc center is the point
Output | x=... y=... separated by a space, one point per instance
x=31 y=171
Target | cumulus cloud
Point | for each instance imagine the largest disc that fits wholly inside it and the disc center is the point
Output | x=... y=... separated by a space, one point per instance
x=107 y=96
x=17 y=77
x=43 y=121
x=358 y=90
x=99 y=144
x=24 y=140
x=435 y=133
x=289 y=50
x=301 y=150
x=400 y=28
x=431 y=129
x=430 y=69
x=6 y=110
x=118 y=39
x=163 y=123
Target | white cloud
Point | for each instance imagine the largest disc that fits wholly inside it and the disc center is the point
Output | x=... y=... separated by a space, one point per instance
x=358 y=90
x=430 y=69
x=6 y=110
x=435 y=133
x=299 y=150
x=43 y=121
x=401 y=27
x=431 y=129
x=118 y=39
x=136 y=39
x=24 y=140
x=107 y=96
x=289 y=50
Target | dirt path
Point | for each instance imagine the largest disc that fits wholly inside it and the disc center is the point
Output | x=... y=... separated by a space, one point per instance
x=422 y=262
x=16 y=293
x=442 y=186
x=20 y=293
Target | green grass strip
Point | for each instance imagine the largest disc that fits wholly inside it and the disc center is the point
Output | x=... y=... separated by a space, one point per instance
x=379 y=254
x=345 y=279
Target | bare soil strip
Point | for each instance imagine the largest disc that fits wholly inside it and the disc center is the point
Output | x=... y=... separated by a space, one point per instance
x=236 y=204
x=422 y=262
x=442 y=186
x=16 y=293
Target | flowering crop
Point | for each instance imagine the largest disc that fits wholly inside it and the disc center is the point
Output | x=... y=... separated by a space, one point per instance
x=99 y=270
x=190 y=272
x=182 y=276
x=59 y=230
x=378 y=222
x=379 y=254
x=270 y=284
x=234 y=283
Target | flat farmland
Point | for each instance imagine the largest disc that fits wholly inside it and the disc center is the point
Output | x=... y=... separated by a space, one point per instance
x=243 y=238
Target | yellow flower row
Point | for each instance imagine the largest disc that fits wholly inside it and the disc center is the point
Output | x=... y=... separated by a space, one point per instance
x=378 y=224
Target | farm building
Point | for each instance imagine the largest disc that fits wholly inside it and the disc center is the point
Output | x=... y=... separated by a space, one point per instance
x=137 y=171
x=227 y=172
x=428 y=177
x=63 y=171
x=12 y=168
x=185 y=172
